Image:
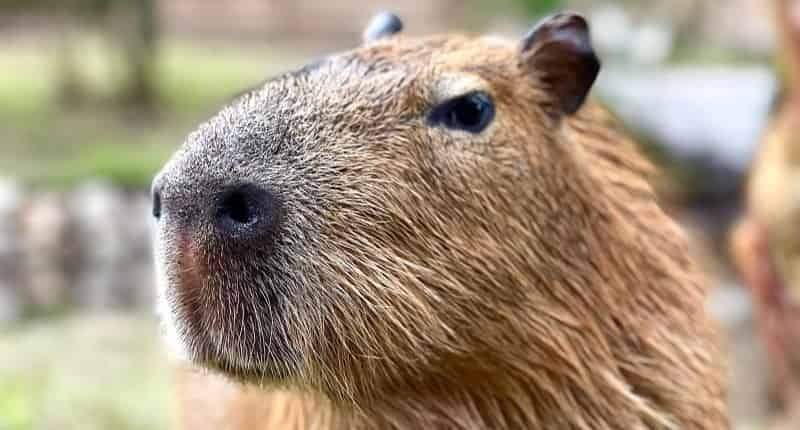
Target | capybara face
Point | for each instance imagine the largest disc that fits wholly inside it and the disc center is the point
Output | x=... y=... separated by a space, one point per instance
x=383 y=214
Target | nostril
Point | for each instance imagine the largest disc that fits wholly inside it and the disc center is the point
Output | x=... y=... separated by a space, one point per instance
x=237 y=206
x=246 y=212
x=156 y=203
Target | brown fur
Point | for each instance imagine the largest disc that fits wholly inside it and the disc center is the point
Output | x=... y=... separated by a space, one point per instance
x=521 y=278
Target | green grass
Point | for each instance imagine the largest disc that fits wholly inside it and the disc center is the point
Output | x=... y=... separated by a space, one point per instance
x=60 y=150
x=192 y=78
x=88 y=372
x=47 y=145
x=127 y=165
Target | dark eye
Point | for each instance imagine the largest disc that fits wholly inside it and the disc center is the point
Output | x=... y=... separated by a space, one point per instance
x=471 y=112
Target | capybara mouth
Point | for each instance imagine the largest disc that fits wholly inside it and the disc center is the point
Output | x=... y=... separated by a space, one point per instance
x=185 y=291
x=220 y=321
x=190 y=270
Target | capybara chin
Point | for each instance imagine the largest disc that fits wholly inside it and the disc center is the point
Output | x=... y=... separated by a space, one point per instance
x=435 y=233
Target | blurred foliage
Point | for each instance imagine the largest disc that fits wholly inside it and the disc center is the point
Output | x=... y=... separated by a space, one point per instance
x=522 y=8
x=694 y=54
x=540 y=7
x=111 y=376
x=49 y=145
x=130 y=25
x=71 y=7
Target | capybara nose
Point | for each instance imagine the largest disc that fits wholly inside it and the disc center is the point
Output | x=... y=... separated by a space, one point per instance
x=245 y=210
x=243 y=213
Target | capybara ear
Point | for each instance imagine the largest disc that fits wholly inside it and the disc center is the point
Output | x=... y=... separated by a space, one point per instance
x=559 y=52
x=382 y=25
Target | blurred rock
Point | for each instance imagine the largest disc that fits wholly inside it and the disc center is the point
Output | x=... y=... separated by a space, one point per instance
x=11 y=302
x=137 y=269
x=44 y=225
x=612 y=28
x=651 y=44
x=618 y=37
x=101 y=221
x=730 y=304
x=708 y=117
x=11 y=305
x=90 y=248
x=744 y=28
x=749 y=403
x=741 y=25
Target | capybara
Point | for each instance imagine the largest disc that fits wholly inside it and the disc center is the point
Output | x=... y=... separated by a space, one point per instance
x=433 y=233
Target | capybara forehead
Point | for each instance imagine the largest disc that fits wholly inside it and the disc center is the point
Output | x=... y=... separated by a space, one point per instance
x=383 y=68
x=451 y=52
x=387 y=79
x=375 y=93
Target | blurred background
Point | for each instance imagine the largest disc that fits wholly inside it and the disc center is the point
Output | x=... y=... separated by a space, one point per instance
x=96 y=94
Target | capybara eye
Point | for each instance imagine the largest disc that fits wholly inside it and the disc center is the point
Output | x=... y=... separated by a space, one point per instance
x=471 y=112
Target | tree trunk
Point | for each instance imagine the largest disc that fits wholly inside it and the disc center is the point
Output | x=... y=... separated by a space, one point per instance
x=70 y=90
x=139 y=44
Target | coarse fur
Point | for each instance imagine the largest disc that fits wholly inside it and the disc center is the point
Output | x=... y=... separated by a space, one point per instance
x=426 y=278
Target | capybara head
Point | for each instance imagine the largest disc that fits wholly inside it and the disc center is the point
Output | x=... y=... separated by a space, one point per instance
x=417 y=213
